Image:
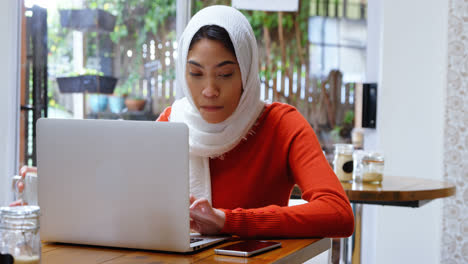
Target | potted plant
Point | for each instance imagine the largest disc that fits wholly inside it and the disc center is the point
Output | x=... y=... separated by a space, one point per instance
x=87 y=20
x=88 y=80
x=135 y=103
x=117 y=99
x=98 y=102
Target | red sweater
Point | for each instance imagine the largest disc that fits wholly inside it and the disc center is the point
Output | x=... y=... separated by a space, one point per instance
x=252 y=183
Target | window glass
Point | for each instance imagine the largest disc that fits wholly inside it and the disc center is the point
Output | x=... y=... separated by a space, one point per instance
x=115 y=59
x=95 y=59
x=312 y=60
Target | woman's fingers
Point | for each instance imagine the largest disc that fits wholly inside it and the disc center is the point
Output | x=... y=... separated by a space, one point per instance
x=192 y=199
x=194 y=226
x=204 y=218
x=18 y=203
x=201 y=208
x=196 y=214
x=20 y=186
x=202 y=202
x=25 y=169
x=200 y=211
x=20 y=183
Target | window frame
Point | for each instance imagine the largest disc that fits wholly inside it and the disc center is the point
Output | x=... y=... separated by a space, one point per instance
x=10 y=11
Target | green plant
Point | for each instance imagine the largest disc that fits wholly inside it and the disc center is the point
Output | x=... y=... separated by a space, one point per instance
x=120 y=91
x=265 y=26
x=138 y=23
x=349 y=117
x=85 y=71
x=135 y=97
x=125 y=86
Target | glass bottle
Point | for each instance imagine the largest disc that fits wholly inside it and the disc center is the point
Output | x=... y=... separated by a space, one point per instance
x=19 y=234
x=358 y=155
x=372 y=167
x=343 y=162
x=357 y=138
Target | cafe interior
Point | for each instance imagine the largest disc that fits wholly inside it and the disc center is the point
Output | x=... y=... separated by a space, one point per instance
x=384 y=84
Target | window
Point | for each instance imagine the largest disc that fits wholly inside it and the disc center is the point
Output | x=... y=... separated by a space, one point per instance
x=338 y=34
x=312 y=59
x=124 y=66
x=100 y=59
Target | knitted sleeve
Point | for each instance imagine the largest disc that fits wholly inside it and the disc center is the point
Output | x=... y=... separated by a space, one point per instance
x=164 y=116
x=328 y=212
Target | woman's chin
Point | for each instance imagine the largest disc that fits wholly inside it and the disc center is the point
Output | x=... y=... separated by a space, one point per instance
x=213 y=118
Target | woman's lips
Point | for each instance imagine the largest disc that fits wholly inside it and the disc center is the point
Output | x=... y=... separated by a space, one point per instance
x=211 y=108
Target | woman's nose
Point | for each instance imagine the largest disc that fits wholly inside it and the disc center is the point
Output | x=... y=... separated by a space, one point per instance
x=210 y=90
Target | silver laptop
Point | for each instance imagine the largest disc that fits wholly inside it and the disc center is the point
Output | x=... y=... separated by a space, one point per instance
x=115 y=183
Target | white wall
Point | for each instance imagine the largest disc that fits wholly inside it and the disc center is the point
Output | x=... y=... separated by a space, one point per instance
x=373 y=74
x=410 y=123
x=9 y=102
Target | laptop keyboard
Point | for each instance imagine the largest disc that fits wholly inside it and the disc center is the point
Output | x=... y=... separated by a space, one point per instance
x=193 y=239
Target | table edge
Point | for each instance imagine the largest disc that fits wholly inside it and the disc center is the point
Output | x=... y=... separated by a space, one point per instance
x=306 y=253
x=396 y=195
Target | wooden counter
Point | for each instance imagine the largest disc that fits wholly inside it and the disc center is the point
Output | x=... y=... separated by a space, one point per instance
x=292 y=251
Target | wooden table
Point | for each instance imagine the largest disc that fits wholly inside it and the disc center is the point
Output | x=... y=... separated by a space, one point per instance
x=396 y=191
x=292 y=251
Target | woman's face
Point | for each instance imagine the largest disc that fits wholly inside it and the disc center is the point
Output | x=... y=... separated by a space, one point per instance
x=214 y=79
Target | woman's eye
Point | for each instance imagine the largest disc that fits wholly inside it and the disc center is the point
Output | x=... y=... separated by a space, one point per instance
x=226 y=75
x=196 y=74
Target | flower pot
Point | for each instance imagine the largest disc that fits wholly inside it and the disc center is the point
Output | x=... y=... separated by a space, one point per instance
x=89 y=83
x=116 y=104
x=135 y=104
x=98 y=102
x=87 y=20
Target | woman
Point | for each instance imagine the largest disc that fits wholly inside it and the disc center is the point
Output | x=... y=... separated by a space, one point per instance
x=246 y=155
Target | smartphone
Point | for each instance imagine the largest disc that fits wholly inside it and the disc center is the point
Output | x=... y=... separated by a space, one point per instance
x=247 y=248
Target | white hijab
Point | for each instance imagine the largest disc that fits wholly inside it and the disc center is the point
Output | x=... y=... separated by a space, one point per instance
x=212 y=140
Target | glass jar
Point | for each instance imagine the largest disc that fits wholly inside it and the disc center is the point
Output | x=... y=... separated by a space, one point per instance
x=358 y=155
x=357 y=138
x=372 y=167
x=343 y=162
x=19 y=234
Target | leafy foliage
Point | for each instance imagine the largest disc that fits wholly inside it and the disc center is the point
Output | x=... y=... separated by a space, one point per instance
x=349 y=117
x=86 y=71
x=261 y=20
x=137 y=22
x=140 y=21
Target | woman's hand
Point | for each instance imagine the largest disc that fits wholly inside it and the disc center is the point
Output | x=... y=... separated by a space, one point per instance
x=20 y=184
x=23 y=171
x=205 y=219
